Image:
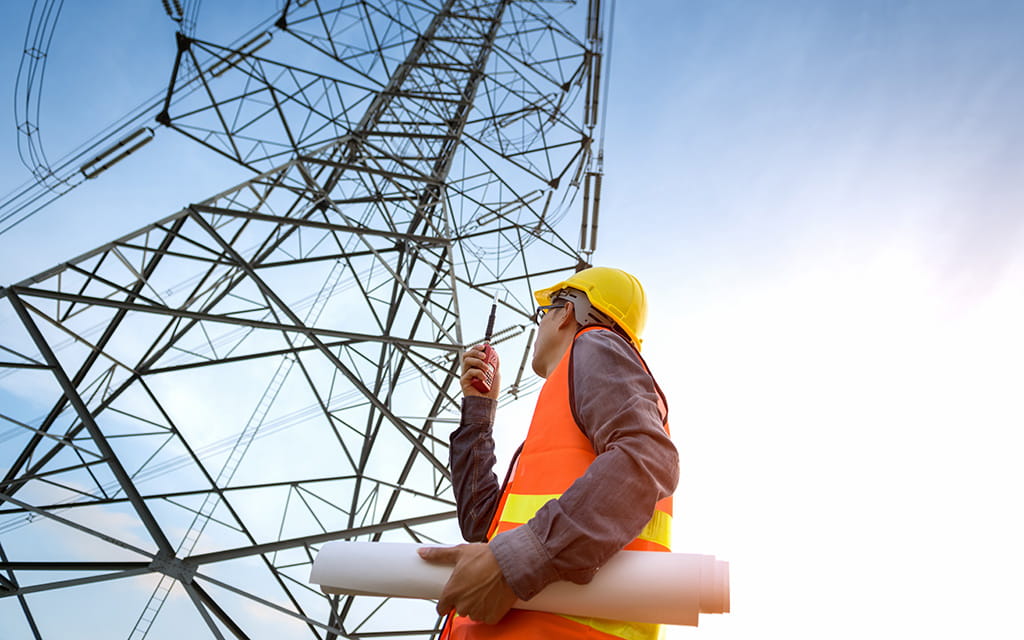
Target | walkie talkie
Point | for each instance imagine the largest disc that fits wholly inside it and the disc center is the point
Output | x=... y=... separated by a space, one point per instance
x=490 y=355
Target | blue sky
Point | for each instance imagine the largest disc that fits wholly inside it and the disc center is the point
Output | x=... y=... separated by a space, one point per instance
x=824 y=202
x=829 y=221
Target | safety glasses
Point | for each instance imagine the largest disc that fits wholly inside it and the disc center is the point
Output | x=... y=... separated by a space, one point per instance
x=543 y=310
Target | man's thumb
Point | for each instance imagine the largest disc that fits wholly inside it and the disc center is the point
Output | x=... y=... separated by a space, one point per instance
x=442 y=555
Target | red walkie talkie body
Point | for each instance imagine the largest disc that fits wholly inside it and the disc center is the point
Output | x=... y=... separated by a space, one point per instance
x=490 y=355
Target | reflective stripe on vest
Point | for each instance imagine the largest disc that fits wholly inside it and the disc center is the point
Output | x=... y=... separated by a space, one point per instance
x=519 y=624
x=519 y=508
x=555 y=453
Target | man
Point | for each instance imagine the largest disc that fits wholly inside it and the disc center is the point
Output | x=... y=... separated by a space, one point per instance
x=594 y=475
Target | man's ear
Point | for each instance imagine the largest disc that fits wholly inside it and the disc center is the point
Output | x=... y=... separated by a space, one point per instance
x=568 y=317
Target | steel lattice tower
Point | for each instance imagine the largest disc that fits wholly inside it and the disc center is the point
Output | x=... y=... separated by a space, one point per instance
x=188 y=412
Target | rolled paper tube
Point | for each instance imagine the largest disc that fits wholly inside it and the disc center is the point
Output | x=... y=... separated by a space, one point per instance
x=722 y=586
x=639 y=586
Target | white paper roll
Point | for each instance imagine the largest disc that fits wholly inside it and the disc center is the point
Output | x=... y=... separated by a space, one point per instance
x=639 y=586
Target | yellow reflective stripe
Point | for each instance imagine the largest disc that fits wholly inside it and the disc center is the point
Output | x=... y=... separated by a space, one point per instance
x=619 y=629
x=519 y=508
x=658 y=529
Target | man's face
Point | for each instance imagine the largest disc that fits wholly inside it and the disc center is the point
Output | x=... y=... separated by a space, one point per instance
x=544 y=347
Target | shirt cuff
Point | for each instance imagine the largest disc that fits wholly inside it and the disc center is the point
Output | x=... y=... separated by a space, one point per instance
x=478 y=410
x=523 y=560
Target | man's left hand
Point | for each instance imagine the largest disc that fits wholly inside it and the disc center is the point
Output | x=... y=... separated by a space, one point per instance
x=477 y=588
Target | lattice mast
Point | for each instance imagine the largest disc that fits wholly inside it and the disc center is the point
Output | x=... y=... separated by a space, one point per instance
x=313 y=313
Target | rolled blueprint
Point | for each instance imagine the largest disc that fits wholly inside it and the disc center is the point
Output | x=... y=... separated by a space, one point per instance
x=639 y=586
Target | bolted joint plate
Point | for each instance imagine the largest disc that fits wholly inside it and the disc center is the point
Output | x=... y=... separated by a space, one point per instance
x=174 y=568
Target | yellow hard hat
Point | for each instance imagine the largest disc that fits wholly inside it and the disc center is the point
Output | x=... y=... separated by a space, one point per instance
x=614 y=292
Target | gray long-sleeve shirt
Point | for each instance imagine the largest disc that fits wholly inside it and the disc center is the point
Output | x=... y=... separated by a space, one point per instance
x=615 y=401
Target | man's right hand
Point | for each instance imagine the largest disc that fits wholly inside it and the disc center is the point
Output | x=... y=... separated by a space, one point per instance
x=477 y=588
x=473 y=367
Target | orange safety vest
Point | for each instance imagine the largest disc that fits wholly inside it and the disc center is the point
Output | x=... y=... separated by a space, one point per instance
x=555 y=454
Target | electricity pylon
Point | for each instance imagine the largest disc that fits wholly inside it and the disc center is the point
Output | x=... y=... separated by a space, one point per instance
x=190 y=411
